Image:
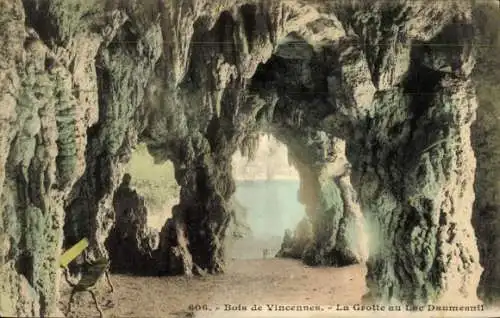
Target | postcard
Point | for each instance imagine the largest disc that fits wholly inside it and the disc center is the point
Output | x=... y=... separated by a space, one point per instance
x=249 y=158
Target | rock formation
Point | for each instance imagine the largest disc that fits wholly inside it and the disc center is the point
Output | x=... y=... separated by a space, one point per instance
x=485 y=133
x=296 y=243
x=238 y=228
x=84 y=81
x=330 y=201
x=131 y=243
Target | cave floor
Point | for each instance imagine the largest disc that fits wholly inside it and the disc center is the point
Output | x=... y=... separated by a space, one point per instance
x=247 y=282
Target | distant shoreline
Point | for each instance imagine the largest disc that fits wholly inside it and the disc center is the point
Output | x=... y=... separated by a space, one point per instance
x=253 y=180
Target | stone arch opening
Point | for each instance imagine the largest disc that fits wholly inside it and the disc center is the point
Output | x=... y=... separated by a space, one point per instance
x=142 y=203
x=305 y=117
x=267 y=200
x=155 y=181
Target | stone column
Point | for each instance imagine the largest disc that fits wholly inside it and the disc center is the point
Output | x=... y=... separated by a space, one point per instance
x=416 y=190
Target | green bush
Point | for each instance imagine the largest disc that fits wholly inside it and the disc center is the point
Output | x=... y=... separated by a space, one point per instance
x=155 y=182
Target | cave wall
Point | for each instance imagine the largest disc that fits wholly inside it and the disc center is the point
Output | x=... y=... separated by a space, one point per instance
x=485 y=132
x=86 y=81
x=57 y=128
x=41 y=149
x=414 y=167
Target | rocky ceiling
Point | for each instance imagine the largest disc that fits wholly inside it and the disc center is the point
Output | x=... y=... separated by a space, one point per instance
x=366 y=83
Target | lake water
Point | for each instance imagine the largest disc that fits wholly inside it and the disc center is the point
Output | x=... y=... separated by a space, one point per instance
x=272 y=205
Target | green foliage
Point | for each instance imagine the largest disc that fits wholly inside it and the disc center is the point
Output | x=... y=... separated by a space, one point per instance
x=155 y=182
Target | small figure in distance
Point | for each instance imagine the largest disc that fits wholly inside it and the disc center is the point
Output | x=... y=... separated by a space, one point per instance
x=265 y=253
